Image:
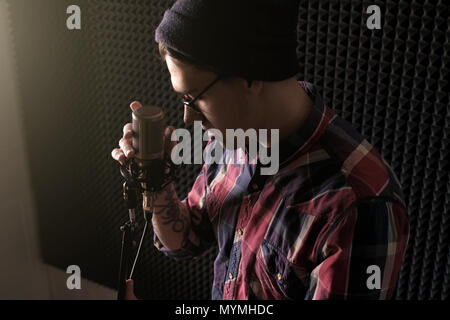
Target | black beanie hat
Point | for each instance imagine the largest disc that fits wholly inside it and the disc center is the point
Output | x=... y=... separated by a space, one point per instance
x=253 y=39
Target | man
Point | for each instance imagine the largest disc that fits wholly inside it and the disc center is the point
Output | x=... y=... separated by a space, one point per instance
x=330 y=224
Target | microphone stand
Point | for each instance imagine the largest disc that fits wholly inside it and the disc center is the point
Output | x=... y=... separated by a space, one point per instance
x=128 y=238
x=138 y=182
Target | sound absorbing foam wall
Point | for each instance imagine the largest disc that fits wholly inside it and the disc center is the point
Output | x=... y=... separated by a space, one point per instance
x=76 y=86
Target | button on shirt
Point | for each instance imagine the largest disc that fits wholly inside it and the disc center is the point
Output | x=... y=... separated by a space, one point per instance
x=330 y=224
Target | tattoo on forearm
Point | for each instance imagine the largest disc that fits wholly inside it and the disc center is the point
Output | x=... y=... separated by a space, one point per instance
x=169 y=210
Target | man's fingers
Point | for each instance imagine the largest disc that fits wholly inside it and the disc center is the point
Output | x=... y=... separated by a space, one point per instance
x=126 y=150
x=135 y=105
x=127 y=128
x=118 y=155
x=128 y=135
x=125 y=145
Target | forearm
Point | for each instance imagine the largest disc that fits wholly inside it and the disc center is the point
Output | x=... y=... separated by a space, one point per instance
x=171 y=221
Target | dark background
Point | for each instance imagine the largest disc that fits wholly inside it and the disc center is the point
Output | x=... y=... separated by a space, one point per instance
x=76 y=87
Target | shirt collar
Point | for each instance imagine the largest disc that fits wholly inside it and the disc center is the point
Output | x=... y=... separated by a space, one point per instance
x=299 y=141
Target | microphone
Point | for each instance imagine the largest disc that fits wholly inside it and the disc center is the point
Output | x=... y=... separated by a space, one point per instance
x=148 y=125
x=147 y=168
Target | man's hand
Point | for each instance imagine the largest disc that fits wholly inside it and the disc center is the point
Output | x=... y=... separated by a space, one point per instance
x=129 y=290
x=126 y=151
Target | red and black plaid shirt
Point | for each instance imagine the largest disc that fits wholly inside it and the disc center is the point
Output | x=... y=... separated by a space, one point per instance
x=331 y=224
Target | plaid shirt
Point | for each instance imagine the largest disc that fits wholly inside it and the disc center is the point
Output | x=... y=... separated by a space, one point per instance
x=328 y=225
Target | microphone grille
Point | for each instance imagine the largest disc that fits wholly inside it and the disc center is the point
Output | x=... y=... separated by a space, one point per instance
x=148 y=126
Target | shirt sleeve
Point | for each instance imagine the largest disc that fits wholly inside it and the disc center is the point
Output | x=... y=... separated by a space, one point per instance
x=199 y=239
x=362 y=255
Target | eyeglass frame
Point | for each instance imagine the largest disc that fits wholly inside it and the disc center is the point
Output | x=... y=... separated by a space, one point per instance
x=191 y=102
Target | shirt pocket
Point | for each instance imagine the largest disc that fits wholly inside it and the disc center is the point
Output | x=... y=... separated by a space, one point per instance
x=288 y=278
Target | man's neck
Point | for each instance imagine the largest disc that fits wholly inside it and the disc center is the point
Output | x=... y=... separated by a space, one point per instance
x=288 y=111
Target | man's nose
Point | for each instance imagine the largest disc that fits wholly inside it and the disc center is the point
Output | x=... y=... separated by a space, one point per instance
x=190 y=115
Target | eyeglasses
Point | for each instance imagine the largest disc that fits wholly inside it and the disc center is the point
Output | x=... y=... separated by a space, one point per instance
x=191 y=103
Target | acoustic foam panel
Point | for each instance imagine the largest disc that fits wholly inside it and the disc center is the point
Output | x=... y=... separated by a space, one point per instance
x=76 y=86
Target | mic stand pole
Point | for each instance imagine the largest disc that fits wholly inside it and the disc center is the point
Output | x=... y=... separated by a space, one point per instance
x=128 y=238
